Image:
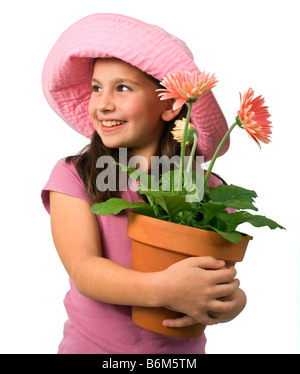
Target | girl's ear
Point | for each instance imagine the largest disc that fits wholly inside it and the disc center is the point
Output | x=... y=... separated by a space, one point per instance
x=169 y=113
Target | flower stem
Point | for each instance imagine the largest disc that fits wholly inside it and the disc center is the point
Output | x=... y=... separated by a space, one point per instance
x=186 y=126
x=189 y=167
x=216 y=155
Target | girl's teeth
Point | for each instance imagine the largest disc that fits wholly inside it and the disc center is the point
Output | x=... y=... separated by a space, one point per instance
x=111 y=123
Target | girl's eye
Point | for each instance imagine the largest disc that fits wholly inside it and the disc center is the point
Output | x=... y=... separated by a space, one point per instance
x=96 y=89
x=120 y=88
x=123 y=88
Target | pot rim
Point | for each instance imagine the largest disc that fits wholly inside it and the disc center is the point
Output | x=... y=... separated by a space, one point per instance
x=183 y=239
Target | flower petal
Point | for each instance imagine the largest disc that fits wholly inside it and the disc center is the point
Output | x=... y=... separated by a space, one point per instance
x=254 y=117
x=186 y=85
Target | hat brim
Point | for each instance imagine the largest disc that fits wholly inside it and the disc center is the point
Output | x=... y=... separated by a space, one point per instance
x=68 y=70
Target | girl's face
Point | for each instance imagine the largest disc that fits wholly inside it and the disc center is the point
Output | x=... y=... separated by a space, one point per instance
x=125 y=109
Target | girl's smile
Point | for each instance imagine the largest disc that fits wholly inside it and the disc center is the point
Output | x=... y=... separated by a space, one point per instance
x=111 y=125
x=125 y=108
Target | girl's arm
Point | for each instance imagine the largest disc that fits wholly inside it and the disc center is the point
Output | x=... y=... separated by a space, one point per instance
x=192 y=286
x=76 y=237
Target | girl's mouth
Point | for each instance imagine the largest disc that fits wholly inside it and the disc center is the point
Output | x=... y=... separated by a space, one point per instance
x=112 y=123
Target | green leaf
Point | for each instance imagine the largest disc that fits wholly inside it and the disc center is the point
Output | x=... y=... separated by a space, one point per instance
x=190 y=184
x=194 y=185
x=233 y=237
x=234 y=197
x=172 y=202
x=156 y=193
x=175 y=205
x=232 y=220
x=171 y=181
x=146 y=180
x=210 y=210
x=126 y=168
x=115 y=206
x=149 y=211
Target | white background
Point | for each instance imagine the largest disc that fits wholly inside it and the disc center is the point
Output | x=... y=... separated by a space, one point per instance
x=246 y=44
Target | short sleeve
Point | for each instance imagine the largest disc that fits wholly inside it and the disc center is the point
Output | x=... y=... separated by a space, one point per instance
x=65 y=179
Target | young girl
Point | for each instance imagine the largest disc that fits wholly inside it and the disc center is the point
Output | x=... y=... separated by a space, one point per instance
x=101 y=77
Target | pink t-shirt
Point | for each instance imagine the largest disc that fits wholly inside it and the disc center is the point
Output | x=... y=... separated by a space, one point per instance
x=96 y=327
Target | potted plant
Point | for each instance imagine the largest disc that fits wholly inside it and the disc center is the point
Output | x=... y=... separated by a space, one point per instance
x=184 y=216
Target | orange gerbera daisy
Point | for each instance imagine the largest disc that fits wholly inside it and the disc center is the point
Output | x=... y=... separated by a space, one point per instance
x=186 y=87
x=253 y=117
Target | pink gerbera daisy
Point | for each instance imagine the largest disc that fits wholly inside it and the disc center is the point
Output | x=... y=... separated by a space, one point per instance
x=253 y=117
x=185 y=87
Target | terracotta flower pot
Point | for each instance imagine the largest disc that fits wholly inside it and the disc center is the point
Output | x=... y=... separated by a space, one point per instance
x=156 y=245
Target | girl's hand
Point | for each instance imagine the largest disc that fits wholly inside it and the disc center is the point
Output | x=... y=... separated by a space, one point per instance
x=235 y=304
x=195 y=287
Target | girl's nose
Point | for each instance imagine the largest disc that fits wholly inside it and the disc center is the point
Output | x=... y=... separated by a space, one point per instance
x=106 y=102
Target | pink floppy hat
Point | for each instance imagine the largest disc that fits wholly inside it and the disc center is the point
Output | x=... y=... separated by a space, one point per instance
x=68 y=69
